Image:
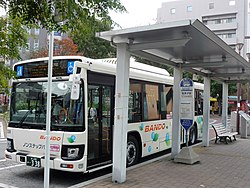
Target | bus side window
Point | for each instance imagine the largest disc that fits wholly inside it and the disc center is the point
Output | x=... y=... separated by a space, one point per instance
x=166 y=102
x=198 y=105
x=151 y=96
x=135 y=102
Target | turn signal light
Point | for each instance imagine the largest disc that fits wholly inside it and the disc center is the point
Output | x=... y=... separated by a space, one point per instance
x=67 y=166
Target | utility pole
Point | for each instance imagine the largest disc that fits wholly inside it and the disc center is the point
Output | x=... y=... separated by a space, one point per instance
x=48 y=113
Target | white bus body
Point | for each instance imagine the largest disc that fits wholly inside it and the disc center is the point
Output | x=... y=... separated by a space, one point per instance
x=81 y=130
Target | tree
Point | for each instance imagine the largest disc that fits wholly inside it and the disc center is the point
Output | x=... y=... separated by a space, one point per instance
x=12 y=36
x=51 y=13
x=6 y=73
x=65 y=46
x=32 y=13
x=216 y=89
x=89 y=44
x=232 y=89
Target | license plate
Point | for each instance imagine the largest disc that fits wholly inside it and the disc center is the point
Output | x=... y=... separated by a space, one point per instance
x=33 y=161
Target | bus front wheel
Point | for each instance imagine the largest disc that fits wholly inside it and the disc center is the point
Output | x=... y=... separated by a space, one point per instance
x=192 y=135
x=132 y=151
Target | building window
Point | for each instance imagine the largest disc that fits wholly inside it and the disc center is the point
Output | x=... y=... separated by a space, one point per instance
x=36 y=44
x=172 y=10
x=37 y=31
x=231 y=2
x=211 y=5
x=28 y=31
x=189 y=8
x=217 y=21
x=28 y=45
x=227 y=35
x=230 y=35
x=229 y=20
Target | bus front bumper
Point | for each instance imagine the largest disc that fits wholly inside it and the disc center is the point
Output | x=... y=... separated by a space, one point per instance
x=39 y=162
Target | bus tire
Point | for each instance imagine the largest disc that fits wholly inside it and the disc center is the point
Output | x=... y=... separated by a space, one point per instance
x=192 y=135
x=132 y=151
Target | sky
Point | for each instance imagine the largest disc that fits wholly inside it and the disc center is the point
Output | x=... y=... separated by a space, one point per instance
x=2 y=11
x=140 y=12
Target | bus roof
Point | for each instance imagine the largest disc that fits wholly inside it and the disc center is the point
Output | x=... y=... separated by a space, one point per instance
x=138 y=70
x=140 y=66
x=134 y=64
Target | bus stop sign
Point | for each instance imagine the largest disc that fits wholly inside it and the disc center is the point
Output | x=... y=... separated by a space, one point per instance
x=186 y=103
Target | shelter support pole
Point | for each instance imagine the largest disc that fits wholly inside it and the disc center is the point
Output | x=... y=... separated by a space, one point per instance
x=206 y=112
x=121 y=115
x=176 y=131
x=248 y=96
x=224 y=103
x=238 y=107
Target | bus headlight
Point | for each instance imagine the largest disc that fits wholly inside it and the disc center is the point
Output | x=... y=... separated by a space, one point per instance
x=10 y=145
x=72 y=152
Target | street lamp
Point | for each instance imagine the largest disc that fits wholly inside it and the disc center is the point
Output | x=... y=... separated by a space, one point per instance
x=239 y=46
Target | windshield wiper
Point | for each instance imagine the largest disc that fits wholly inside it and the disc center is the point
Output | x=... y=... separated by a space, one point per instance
x=25 y=116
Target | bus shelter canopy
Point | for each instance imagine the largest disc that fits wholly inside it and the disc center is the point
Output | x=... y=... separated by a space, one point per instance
x=188 y=44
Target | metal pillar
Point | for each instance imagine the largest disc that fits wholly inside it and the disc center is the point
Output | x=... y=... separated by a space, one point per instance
x=239 y=46
x=206 y=112
x=248 y=85
x=48 y=113
x=248 y=96
x=176 y=129
x=121 y=115
x=238 y=107
x=224 y=103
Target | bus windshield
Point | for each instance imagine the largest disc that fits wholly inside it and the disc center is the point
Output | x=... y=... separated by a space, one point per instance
x=29 y=104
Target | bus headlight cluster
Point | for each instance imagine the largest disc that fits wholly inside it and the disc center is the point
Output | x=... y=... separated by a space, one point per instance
x=10 y=145
x=72 y=152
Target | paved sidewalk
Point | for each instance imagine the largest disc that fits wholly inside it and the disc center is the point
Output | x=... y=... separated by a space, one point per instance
x=221 y=165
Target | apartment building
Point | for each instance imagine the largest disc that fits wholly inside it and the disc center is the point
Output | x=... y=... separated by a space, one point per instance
x=226 y=18
x=38 y=39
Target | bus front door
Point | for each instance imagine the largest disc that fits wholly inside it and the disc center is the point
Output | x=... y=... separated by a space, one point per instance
x=100 y=111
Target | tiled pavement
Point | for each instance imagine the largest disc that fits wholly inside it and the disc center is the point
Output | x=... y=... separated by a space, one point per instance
x=221 y=165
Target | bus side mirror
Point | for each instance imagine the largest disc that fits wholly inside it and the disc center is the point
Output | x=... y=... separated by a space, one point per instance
x=75 y=90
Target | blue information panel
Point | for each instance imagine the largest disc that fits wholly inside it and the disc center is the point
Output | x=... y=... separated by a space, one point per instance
x=186 y=123
x=19 y=71
x=186 y=103
x=70 y=67
x=186 y=83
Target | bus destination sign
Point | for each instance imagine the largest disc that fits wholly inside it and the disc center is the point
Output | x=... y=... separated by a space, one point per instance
x=61 y=67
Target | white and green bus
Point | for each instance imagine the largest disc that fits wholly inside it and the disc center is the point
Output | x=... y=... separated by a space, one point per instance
x=82 y=129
